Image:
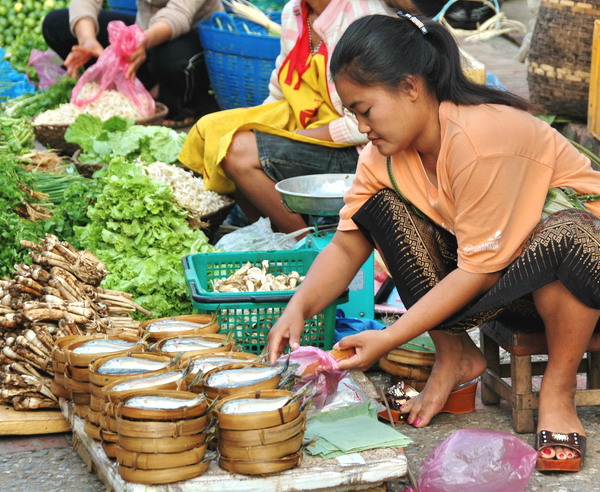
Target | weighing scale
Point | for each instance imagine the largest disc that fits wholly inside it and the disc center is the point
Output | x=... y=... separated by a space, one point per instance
x=322 y=195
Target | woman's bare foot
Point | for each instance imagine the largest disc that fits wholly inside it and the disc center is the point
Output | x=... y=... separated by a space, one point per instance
x=457 y=360
x=558 y=413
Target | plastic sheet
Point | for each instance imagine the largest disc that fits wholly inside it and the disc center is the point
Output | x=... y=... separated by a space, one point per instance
x=314 y=364
x=110 y=69
x=258 y=236
x=478 y=460
x=48 y=67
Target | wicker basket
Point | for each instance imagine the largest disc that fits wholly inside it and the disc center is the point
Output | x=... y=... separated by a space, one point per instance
x=53 y=136
x=209 y=224
x=560 y=56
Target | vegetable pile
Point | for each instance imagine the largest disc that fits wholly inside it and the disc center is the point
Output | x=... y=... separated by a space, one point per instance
x=138 y=230
x=58 y=295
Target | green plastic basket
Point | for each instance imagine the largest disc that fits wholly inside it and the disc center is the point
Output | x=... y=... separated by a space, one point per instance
x=250 y=315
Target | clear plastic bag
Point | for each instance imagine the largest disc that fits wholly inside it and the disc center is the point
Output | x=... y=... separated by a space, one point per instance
x=258 y=237
x=110 y=68
x=48 y=66
x=478 y=460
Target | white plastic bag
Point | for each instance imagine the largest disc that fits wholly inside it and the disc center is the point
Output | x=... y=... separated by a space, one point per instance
x=258 y=237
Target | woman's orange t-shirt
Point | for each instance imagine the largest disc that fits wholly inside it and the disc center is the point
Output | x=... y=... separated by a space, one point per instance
x=495 y=167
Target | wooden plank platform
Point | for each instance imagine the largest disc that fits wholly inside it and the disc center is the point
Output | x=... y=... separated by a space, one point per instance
x=20 y=423
x=370 y=471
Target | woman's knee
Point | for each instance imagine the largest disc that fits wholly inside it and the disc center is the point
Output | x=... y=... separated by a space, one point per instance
x=242 y=155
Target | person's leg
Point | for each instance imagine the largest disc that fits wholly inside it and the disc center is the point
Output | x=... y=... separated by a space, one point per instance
x=569 y=325
x=242 y=165
x=179 y=68
x=256 y=161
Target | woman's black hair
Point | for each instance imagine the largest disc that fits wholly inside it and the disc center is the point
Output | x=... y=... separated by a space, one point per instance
x=384 y=50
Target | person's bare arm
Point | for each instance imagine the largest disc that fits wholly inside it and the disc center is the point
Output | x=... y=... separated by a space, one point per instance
x=87 y=46
x=157 y=34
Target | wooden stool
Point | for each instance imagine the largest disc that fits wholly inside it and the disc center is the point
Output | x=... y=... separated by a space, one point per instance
x=521 y=345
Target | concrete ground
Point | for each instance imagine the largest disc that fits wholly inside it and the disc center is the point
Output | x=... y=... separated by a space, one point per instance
x=49 y=463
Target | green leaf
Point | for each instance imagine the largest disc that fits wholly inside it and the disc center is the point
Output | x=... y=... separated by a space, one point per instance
x=84 y=131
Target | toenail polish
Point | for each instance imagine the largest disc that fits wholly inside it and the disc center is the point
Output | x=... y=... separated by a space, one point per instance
x=546 y=451
x=417 y=422
x=409 y=420
x=561 y=455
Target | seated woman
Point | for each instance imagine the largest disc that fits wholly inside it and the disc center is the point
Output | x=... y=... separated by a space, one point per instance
x=171 y=57
x=300 y=129
x=452 y=191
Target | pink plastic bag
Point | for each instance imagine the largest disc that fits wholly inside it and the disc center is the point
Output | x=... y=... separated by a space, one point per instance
x=319 y=366
x=478 y=460
x=109 y=71
x=48 y=67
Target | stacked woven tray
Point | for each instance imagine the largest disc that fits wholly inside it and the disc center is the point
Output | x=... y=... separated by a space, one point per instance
x=162 y=436
x=411 y=362
x=260 y=432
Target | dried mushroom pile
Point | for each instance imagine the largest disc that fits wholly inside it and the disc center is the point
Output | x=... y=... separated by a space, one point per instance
x=56 y=296
x=250 y=278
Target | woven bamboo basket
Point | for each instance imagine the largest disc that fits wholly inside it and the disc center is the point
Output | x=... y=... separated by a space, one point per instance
x=213 y=337
x=213 y=393
x=58 y=367
x=160 y=461
x=210 y=223
x=262 y=437
x=559 y=66
x=263 y=420
x=264 y=467
x=211 y=326
x=162 y=414
x=58 y=388
x=100 y=380
x=110 y=449
x=80 y=410
x=96 y=403
x=79 y=374
x=93 y=416
x=262 y=452
x=109 y=436
x=108 y=422
x=84 y=360
x=242 y=356
x=168 y=475
x=162 y=445
x=159 y=429
x=403 y=370
x=111 y=396
x=92 y=430
x=53 y=136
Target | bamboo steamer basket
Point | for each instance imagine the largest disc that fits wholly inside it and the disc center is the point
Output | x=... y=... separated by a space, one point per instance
x=84 y=360
x=81 y=399
x=404 y=371
x=167 y=475
x=58 y=388
x=213 y=337
x=74 y=386
x=262 y=467
x=109 y=436
x=242 y=356
x=213 y=393
x=58 y=367
x=160 y=461
x=100 y=380
x=110 y=449
x=58 y=353
x=93 y=416
x=96 y=404
x=161 y=445
x=211 y=326
x=262 y=452
x=162 y=414
x=108 y=422
x=92 y=430
x=150 y=428
x=80 y=410
x=97 y=394
x=260 y=420
x=115 y=397
x=261 y=437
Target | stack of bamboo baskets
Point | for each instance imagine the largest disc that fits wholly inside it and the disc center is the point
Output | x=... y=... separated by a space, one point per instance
x=264 y=442
x=411 y=362
x=161 y=445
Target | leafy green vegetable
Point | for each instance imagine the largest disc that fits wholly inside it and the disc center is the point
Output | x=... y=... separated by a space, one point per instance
x=16 y=135
x=38 y=102
x=119 y=137
x=136 y=228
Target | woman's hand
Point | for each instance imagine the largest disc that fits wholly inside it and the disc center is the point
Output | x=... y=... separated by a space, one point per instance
x=136 y=59
x=82 y=53
x=287 y=331
x=369 y=345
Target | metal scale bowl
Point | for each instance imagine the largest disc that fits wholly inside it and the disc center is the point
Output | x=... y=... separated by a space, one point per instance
x=322 y=195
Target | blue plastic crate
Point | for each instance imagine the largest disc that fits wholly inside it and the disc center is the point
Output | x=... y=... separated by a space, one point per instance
x=240 y=57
